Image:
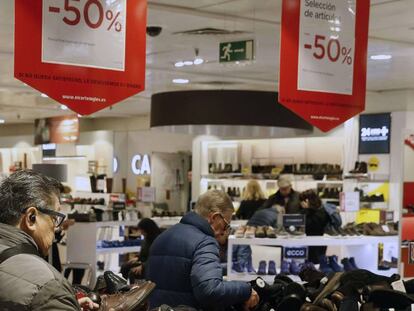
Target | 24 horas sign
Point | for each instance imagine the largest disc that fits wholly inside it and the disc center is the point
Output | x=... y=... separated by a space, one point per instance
x=85 y=54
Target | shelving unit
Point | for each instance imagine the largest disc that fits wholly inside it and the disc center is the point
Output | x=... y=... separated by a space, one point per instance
x=82 y=245
x=363 y=248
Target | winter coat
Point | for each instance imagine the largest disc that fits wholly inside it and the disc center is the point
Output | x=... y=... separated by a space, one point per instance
x=292 y=206
x=28 y=282
x=264 y=217
x=248 y=208
x=184 y=263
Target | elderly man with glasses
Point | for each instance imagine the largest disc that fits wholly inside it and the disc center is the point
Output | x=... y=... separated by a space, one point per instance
x=29 y=205
x=184 y=260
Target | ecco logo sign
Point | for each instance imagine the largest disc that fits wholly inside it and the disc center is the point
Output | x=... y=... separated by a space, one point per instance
x=295 y=253
x=141 y=164
x=374 y=134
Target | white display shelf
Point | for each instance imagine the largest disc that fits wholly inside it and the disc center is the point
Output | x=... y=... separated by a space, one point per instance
x=246 y=277
x=166 y=221
x=315 y=241
x=119 y=250
x=129 y=223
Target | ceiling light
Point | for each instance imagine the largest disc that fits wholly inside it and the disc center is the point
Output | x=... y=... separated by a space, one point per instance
x=179 y=64
x=198 y=61
x=44 y=95
x=381 y=57
x=181 y=81
x=188 y=63
x=63 y=107
x=2 y=121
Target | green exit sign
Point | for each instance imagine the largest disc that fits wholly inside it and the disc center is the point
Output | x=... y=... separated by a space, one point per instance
x=236 y=51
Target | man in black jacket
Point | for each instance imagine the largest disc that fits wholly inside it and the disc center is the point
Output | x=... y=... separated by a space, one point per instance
x=285 y=196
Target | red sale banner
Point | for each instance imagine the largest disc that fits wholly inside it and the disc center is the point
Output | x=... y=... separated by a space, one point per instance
x=323 y=62
x=85 y=54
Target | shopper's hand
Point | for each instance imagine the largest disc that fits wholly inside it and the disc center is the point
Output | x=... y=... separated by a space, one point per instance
x=137 y=270
x=305 y=204
x=87 y=304
x=253 y=301
x=133 y=260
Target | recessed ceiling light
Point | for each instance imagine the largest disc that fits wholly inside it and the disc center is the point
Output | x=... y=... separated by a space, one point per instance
x=188 y=63
x=63 y=107
x=44 y=95
x=381 y=57
x=2 y=121
x=179 y=64
x=198 y=61
x=181 y=81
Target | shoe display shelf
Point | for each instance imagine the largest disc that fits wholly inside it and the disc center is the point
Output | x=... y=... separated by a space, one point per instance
x=83 y=238
x=363 y=248
x=166 y=222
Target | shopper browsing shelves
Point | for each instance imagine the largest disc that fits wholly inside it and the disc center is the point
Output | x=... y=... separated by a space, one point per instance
x=29 y=204
x=184 y=260
x=286 y=196
x=253 y=198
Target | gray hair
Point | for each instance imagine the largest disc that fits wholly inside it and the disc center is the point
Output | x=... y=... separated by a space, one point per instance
x=25 y=189
x=213 y=201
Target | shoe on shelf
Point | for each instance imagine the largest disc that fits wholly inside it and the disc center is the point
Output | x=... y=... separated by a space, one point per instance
x=260 y=232
x=240 y=232
x=294 y=268
x=331 y=231
x=324 y=265
x=347 y=265
x=270 y=232
x=100 y=286
x=353 y=263
x=333 y=262
x=387 y=299
x=249 y=267
x=272 y=268
x=284 y=268
x=237 y=267
x=281 y=232
x=129 y=301
x=262 y=268
x=250 y=232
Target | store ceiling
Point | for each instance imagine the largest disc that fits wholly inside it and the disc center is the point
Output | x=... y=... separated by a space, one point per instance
x=391 y=32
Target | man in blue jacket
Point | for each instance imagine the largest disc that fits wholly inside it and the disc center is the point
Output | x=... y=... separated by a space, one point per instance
x=184 y=261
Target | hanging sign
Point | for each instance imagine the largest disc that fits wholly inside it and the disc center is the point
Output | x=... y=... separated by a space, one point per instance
x=85 y=54
x=323 y=60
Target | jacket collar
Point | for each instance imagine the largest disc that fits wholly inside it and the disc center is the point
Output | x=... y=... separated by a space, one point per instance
x=11 y=236
x=199 y=222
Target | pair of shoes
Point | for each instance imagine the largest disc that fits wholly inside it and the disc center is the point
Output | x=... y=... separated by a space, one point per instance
x=265 y=232
x=271 y=269
x=239 y=267
x=135 y=299
x=290 y=268
x=281 y=232
x=349 y=264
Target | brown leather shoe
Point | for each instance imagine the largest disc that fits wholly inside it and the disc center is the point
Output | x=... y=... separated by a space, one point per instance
x=311 y=307
x=270 y=232
x=328 y=305
x=260 y=232
x=129 y=301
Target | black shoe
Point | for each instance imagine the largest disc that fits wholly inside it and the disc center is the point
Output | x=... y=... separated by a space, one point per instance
x=114 y=283
x=100 y=286
x=387 y=298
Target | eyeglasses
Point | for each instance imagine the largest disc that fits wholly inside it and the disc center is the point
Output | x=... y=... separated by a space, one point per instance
x=227 y=227
x=57 y=217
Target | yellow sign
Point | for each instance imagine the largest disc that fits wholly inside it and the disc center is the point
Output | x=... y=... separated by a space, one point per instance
x=373 y=164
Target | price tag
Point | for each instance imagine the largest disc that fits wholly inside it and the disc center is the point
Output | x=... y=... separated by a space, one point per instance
x=399 y=285
x=385 y=228
x=327 y=46
x=87 y=33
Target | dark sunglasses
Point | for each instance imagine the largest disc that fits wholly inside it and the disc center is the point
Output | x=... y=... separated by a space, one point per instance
x=58 y=218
